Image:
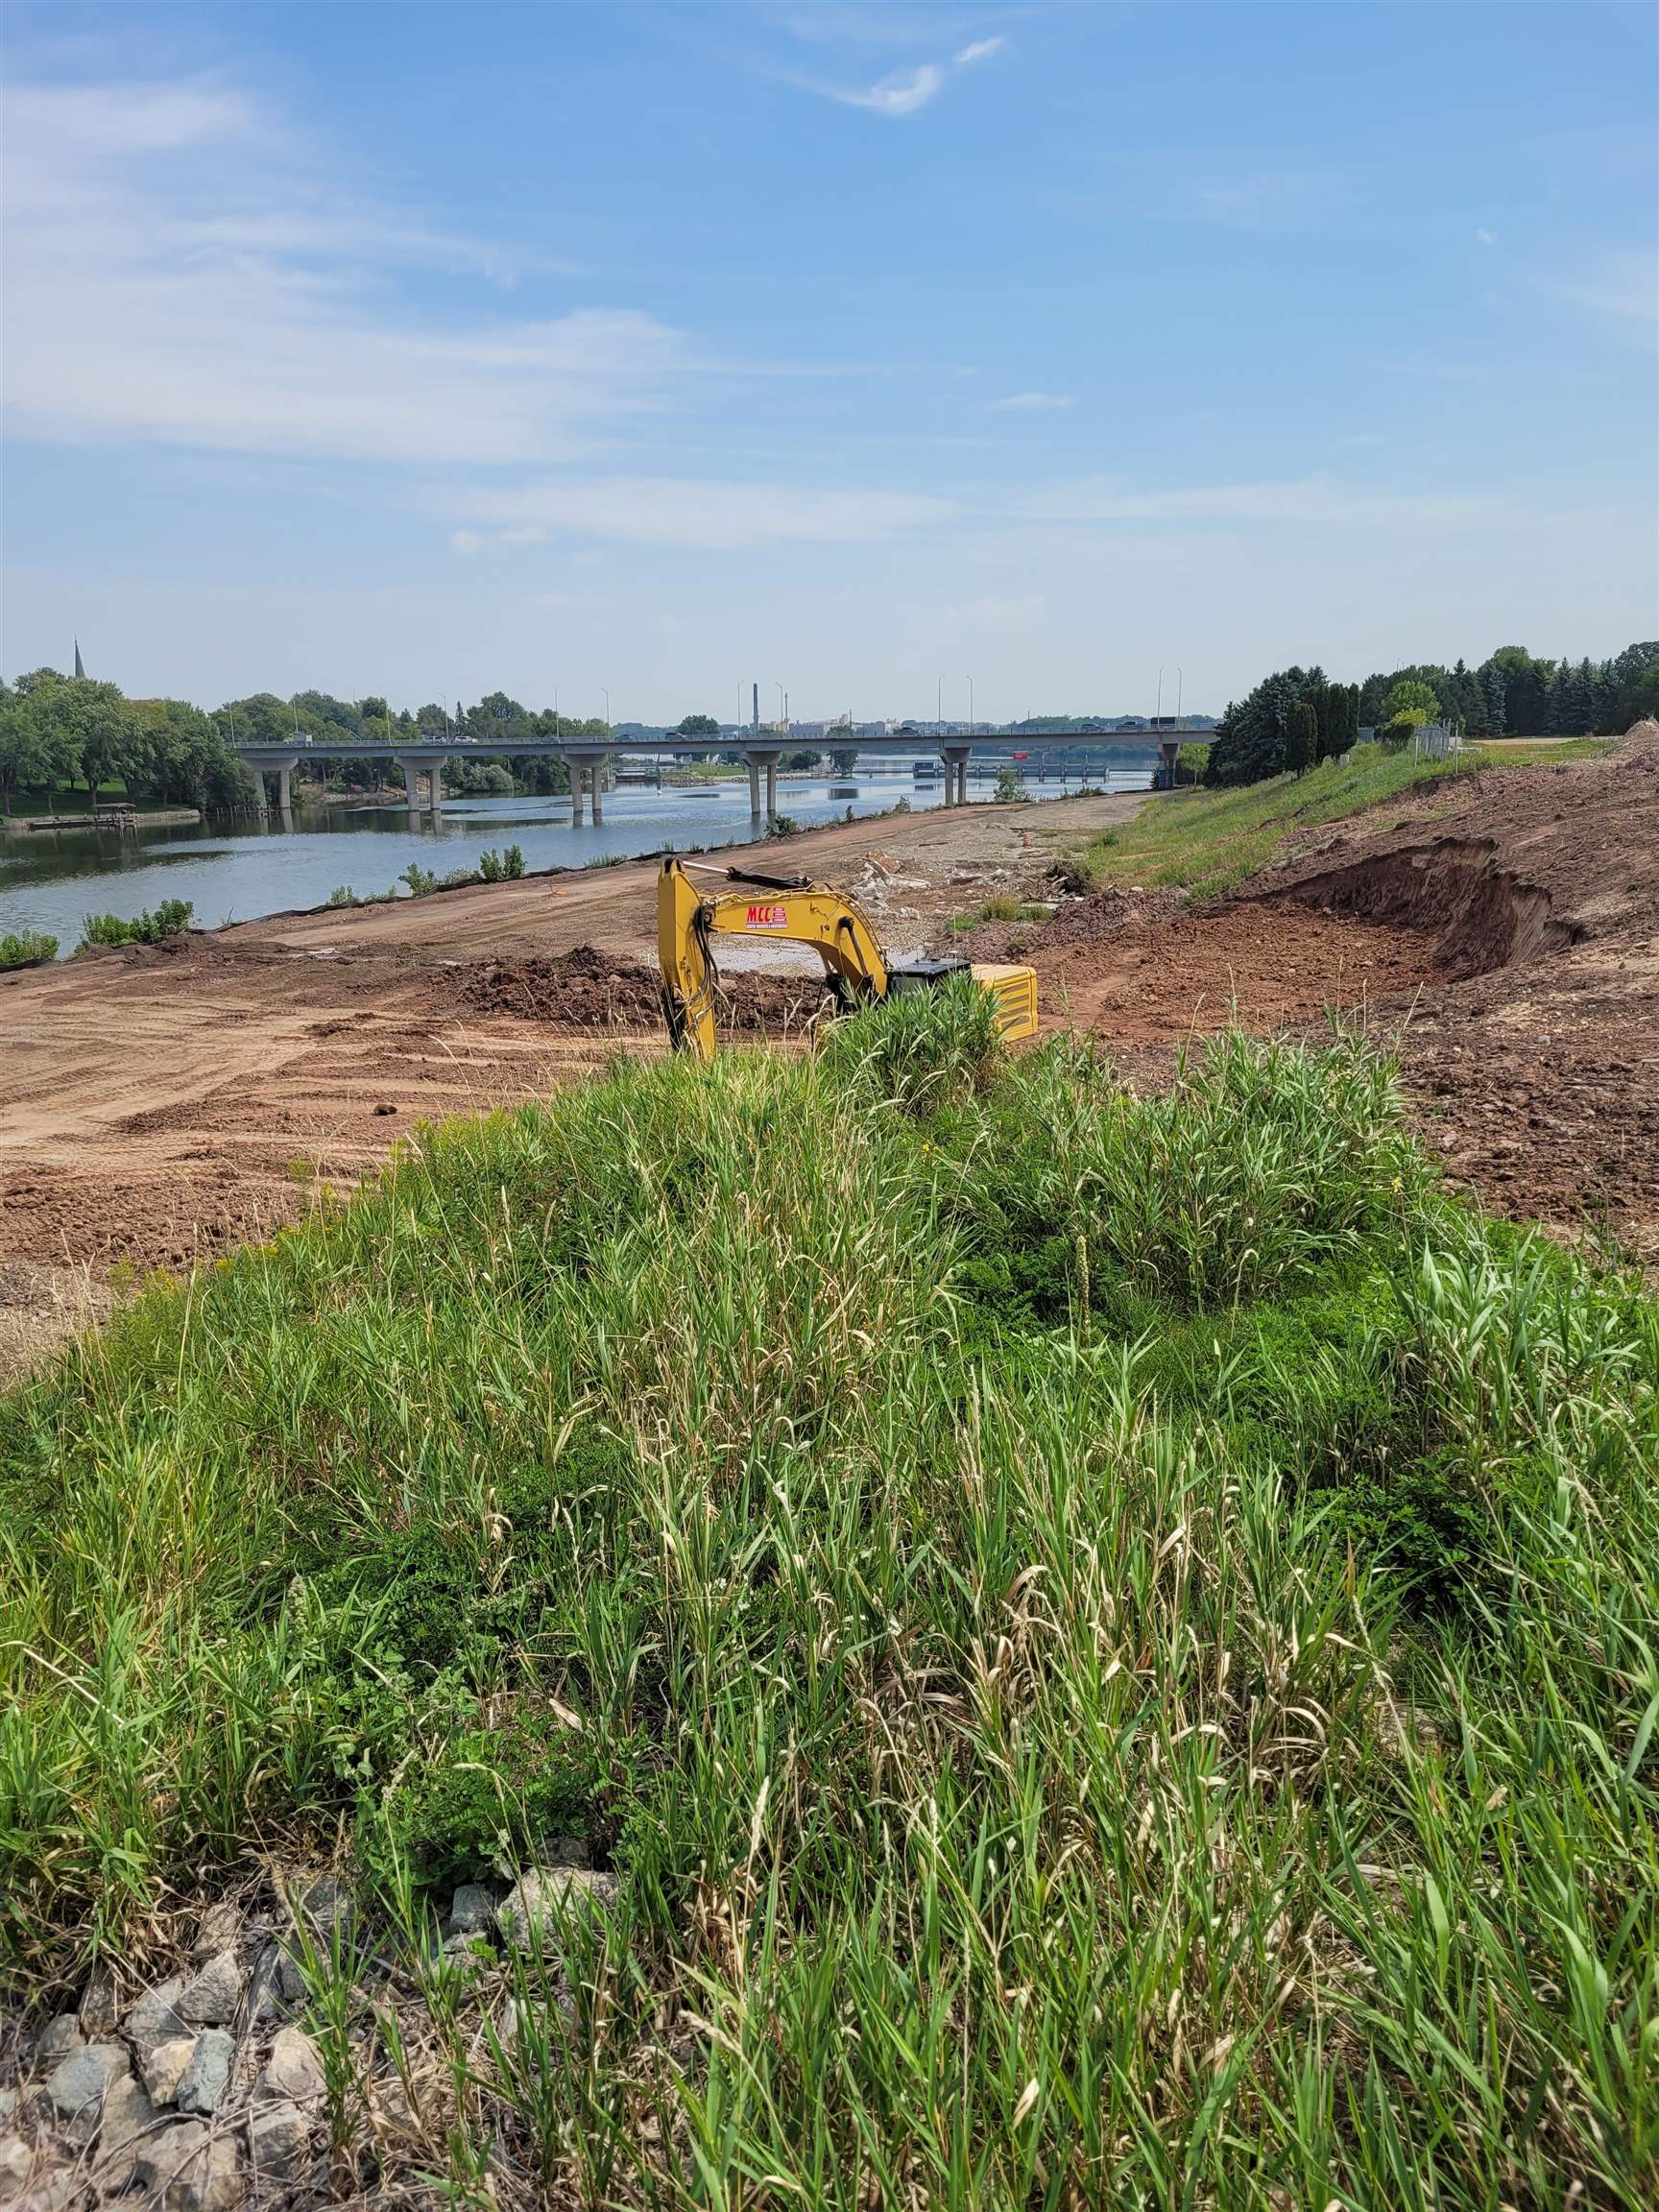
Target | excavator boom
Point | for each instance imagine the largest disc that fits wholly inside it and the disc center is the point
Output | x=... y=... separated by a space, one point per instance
x=795 y=911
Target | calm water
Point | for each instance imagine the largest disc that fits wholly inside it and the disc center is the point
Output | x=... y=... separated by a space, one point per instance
x=236 y=870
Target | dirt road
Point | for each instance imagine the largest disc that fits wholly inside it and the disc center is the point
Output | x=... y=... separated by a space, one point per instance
x=158 y=1104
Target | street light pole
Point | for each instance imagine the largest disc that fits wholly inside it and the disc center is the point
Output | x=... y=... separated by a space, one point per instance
x=1158 y=711
x=1178 y=683
x=607 y=697
x=969 y=706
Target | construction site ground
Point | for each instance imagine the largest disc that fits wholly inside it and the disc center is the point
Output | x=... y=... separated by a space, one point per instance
x=159 y=1104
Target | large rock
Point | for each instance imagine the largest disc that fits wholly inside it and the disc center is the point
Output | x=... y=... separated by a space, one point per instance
x=80 y=2085
x=293 y=2073
x=99 y=2008
x=277 y=2136
x=163 y=2066
x=16 y=2164
x=266 y=2000
x=204 y=2078
x=58 y=2038
x=63 y=2189
x=189 y=2169
x=212 y=1997
x=219 y=1929
x=529 y=1916
x=324 y=1905
x=470 y=1910
x=127 y=2119
x=156 y=2016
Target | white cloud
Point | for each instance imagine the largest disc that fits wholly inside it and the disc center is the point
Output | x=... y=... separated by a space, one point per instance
x=1486 y=237
x=715 y=515
x=1031 y=402
x=156 y=290
x=900 y=93
x=904 y=91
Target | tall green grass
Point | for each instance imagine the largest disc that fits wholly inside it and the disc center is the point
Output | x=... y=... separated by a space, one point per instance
x=1206 y=841
x=1111 y=1643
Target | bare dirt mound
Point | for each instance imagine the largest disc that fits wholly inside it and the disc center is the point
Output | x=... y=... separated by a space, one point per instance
x=1481 y=914
x=589 y=990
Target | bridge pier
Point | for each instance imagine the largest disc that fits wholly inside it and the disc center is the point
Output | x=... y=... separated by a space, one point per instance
x=587 y=774
x=413 y=765
x=955 y=774
x=762 y=757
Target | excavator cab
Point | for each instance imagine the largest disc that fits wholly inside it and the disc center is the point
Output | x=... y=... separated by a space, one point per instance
x=794 y=910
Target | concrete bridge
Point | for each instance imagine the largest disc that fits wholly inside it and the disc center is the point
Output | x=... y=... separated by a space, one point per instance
x=586 y=758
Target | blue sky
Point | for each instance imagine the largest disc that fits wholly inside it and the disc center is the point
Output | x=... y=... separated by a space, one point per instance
x=425 y=349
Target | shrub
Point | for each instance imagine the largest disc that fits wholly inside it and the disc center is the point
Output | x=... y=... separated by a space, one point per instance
x=922 y=1048
x=171 y=918
x=1011 y=785
x=26 y=949
x=782 y=825
x=343 y=895
x=502 y=867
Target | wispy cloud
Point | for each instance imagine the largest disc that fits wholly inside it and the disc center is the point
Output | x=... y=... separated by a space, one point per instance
x=900 y=93
x=904 y=91
x=1031 y=402
x=722 y=517
x=1485 y=237
x=157 y=289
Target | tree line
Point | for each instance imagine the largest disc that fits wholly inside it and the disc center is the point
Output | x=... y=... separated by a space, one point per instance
x=1296 y=717
x=57 y=732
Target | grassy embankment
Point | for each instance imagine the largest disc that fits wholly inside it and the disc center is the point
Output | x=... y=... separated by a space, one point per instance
x=1208 y=841
x=1112 y=1642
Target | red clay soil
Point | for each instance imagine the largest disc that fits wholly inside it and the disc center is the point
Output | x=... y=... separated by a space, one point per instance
x=160 y=1103
x=1506 y=925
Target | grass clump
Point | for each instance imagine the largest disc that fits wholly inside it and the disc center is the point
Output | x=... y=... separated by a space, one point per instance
x=170 y=919
x=1109 y=1644
x=26 y=948
x=1206 y=841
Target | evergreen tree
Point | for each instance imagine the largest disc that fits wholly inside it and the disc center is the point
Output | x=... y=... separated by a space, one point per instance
x=1492 y=684
x=1583 y=693
x=1558 y=702
x=1301 y=737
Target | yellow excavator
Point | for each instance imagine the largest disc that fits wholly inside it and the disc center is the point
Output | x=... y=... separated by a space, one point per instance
x=793 y=909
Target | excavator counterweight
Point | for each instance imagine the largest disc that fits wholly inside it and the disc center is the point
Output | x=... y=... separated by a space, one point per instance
x=796 y=910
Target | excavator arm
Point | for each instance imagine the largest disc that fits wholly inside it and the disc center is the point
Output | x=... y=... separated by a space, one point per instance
x=792 y=909
x=786 y=909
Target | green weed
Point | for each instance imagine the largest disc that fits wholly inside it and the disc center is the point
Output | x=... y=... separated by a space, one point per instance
x=1109 y=1643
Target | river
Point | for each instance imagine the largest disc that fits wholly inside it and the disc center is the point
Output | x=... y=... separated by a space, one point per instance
x=237 y=869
